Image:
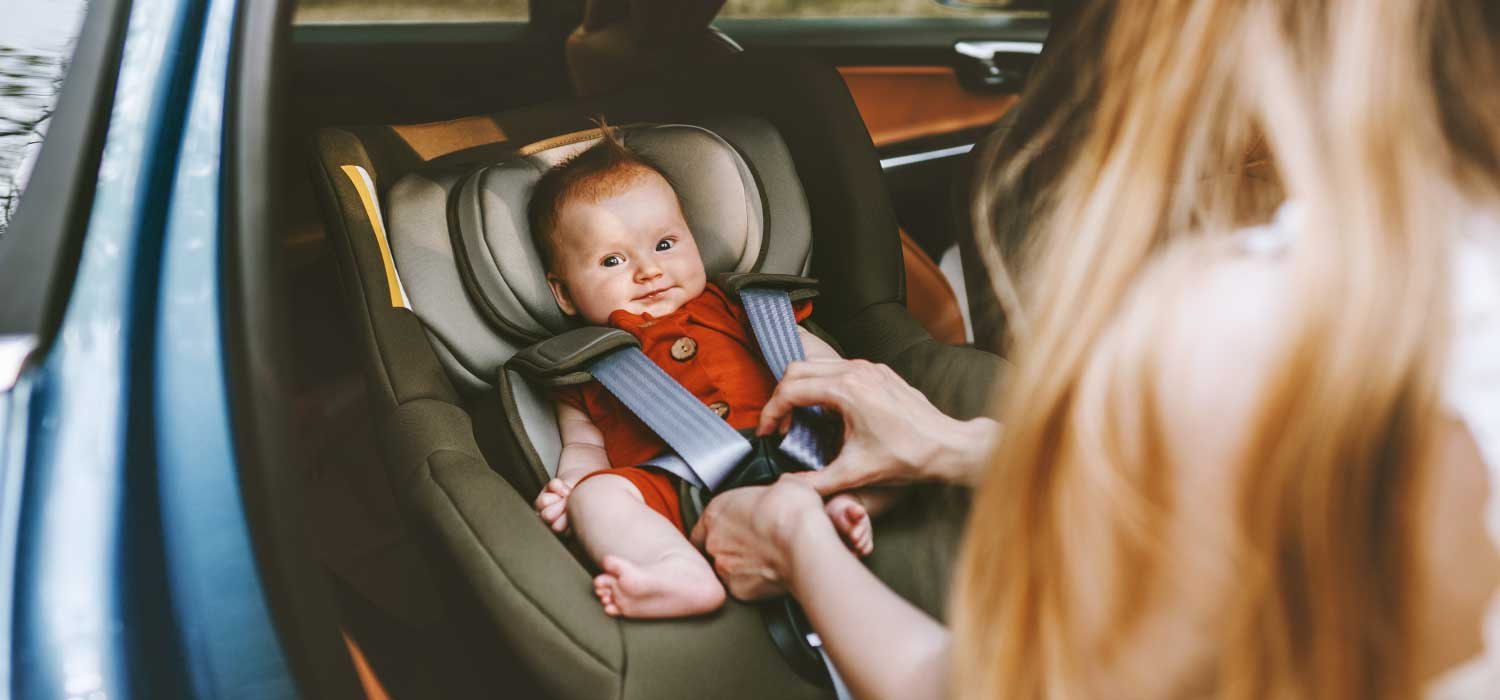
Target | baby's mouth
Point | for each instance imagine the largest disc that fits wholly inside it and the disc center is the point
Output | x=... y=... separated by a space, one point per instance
x=654 y=294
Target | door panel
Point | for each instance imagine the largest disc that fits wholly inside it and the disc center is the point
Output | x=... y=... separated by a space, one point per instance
x=906 y=103
x=928 y=88
x=925 y=101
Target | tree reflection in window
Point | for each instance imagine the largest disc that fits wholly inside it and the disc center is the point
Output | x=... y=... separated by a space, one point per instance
x=36 y=43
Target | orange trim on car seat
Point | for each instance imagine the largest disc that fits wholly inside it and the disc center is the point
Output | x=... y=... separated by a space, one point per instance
x=362 y=184
x=929 y=297
x=532 y=149
x=900 y=103
x=373 y=689
x=569 y=139
x=435 y=139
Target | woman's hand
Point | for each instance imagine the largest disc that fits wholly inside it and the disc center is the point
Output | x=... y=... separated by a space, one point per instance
x=750 y=534
x=892 y=433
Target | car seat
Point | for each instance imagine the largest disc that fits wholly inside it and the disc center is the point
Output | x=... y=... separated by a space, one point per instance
x=777 y=174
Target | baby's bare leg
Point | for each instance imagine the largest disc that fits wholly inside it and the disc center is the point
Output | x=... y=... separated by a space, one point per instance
x=650 y=569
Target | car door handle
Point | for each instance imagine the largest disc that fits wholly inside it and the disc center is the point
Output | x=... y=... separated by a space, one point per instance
x=996 y=66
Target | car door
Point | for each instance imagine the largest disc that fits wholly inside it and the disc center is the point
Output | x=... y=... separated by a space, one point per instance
x=929 y=78
x=127 y=567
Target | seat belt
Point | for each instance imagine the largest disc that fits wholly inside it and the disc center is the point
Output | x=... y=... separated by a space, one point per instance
x=705 y=447
x=775 y=327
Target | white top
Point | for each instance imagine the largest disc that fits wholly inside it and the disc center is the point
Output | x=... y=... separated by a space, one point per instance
x=1471 y=393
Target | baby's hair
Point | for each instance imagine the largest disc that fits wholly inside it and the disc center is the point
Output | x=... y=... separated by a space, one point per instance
x=603 y=170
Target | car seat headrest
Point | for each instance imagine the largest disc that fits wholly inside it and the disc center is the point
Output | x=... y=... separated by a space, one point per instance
x=721 y=201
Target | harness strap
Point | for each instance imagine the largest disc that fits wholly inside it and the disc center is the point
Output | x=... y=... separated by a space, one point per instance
x=705 y=450
x=669 y=462
x=775 y=326
x=702 y=439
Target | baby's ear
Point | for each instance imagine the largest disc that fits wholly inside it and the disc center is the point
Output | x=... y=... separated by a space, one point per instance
x=560 y=293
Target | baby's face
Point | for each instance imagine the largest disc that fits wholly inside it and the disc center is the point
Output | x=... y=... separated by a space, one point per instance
x=630 y=251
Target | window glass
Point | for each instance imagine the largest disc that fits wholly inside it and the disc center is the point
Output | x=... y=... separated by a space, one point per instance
x=36 y=42
x=409 y=10
x=877 y=8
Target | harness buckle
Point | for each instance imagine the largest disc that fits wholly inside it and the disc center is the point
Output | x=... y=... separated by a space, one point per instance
x=764 y=465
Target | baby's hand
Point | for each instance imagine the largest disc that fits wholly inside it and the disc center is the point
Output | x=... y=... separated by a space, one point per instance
x=852 y=520
x=552 y=504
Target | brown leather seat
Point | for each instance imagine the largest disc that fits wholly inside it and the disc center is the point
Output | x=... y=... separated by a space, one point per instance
x=929 y=297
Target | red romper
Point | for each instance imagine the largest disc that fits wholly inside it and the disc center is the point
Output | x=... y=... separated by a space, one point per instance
x=708 y=347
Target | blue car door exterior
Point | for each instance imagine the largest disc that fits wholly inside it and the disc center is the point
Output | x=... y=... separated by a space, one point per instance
x=126 y=563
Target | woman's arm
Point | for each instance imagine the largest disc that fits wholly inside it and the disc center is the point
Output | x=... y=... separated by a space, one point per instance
x=882 y=645
x=766 y=540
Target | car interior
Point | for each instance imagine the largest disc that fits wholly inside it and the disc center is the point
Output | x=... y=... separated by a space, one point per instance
x=394 y=456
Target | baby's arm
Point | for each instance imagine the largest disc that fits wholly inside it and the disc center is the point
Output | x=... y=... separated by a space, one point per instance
x=816 y=348
x=582 y=454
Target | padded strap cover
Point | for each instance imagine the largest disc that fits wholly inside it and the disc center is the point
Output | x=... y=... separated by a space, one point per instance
x=797 y=287
x=564 y=359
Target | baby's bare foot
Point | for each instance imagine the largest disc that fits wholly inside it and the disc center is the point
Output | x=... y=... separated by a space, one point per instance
x=853 y=522
x=673 y=586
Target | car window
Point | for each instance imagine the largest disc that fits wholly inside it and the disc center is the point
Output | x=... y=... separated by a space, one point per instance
x=877 y=8
x=36 y=43
x=316 y=11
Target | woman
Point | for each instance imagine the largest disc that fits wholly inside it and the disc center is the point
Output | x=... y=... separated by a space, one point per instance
x=1244 y=451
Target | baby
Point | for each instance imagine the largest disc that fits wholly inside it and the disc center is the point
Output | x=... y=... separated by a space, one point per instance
x=618 y=252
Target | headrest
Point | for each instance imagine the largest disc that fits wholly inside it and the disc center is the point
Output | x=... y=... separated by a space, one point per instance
x=721 y=197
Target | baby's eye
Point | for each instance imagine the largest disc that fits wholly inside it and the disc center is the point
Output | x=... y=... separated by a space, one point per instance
x=612 y=261
x=665 y=244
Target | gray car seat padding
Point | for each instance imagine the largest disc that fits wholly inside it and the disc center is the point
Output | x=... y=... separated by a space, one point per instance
x=508 y=292
x=550 y=616
x=472 y=507
x=472 y=222
x=721 y=202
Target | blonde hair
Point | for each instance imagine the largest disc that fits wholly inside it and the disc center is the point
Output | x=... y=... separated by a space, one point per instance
x=1378 y=117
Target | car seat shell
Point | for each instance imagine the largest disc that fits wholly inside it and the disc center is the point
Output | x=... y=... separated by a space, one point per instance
x=464 y=483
